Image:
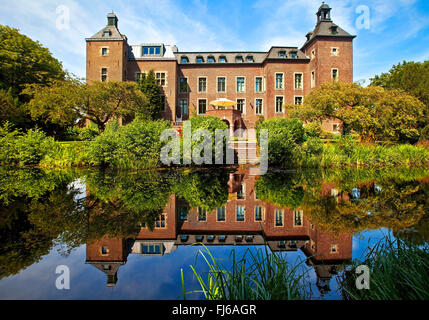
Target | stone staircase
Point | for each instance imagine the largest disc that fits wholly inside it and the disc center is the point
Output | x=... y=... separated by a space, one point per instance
x=246 y=151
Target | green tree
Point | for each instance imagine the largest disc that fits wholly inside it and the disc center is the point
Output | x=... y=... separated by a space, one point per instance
x=65 y=102
x=153 y=91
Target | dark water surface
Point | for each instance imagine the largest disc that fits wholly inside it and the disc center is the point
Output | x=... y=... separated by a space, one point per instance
x=125 y=235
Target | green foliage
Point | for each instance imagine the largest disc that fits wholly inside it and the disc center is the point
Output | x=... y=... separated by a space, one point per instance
x=136 y=145
x=87 y=133
x=65 y=102
x=153 y=92
x=313 y=129
x=258 y=275
x=284 y=136
x=398 y=271
x=313 y=146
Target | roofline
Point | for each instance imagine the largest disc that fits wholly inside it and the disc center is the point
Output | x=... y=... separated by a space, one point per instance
x=103 y=39
x=217 y=52
x=326 y=36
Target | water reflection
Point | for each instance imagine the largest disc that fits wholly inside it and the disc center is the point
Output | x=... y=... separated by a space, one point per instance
x=153 y=213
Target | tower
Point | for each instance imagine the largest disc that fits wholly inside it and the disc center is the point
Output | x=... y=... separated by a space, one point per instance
x=107 y=53
x=330 y=49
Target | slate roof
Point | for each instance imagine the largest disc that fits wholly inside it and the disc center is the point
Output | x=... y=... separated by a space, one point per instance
x=324 y=29
x=114 y=34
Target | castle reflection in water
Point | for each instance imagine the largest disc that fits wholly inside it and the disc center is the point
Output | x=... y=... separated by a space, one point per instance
x=243 y=221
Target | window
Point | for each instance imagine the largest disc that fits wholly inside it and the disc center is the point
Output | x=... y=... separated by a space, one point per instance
x=250 y=59
x=140 y=76
x=294 y=55
x=104 y=51
x=279 y=81
x=152 y=51
x=222 y=59
x=154 y=248
x=258 y=213
x=241 y=194
x=335 y=74
x=334 y=51
x=259 y=106
x=335 y=127
x=104 y=250
x=103 y=74
x=160 y=78
x=202 y=84
x=106 y=33
x=200 y=59
x=282 y=54
x=160 y=221
x=202 y=214
x=298 y=100
x=297 y=218
x=239 y=59
x=241 y=84
x=183 y=85
x=240 y=213
x=183 y=213
x=313 y=79
x=163 y=102
x=202 y=106
x=184 y=60
x=334 y=248
x=241 y=105
x=298 y=81
x=313 y=54
x=279 y=104
x=106 y=267
x=211 y=59
x=221 y=214
x=183 y=104
x=258 y=84
x=279 y=218
x=221 y=84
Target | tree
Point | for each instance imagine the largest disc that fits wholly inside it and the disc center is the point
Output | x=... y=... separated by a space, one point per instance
x=373 y=112
x=153 y=91
x=66 y=102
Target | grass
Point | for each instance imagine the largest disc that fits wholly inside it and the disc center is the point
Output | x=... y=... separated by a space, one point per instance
x=398 y=271
x=257 y=275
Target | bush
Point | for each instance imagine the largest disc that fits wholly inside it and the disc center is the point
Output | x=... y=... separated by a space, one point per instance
x=82 y=134
x=33 y=147
x=313 y=146
x=8 y=137
x=347 y=144
x=102 y=151
x=284 y=136
x=313 y=129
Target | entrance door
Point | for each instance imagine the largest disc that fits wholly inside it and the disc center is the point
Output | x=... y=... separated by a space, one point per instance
x=182 y=110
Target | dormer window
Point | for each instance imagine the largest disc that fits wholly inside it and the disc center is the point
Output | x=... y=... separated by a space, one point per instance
x=152 y=50
x=184 y=60
x=334 y=29
x=211 y=59
x=250 y=59
x=239 y=59
x=106 y=33
x=222 y=59
x=294 y=55
x=282 y=54
x=200 y=59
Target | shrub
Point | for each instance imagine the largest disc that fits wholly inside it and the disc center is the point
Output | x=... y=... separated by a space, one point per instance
x=313 y=146
x=313 y=129
x=347 y=144
x=8 y=137
x=102 y=150
x=32 y=147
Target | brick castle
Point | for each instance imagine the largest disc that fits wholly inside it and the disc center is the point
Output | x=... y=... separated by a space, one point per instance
x=261 y=83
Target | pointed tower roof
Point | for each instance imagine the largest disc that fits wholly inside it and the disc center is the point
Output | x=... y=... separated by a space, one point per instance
x=325 y=27
x=109 y=32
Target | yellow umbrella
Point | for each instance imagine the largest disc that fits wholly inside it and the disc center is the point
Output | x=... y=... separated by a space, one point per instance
x=222 y=103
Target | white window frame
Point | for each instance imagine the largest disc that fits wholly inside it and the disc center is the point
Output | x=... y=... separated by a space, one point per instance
x=236 y=84
x=275 y=104
x=218 y=215
x=244 y=213
x=198 y=84
x=101 y=51
x=283 y=218
x=313 y=54
x=332 y=51
x=245 y=105
x=262 y=84
x=301 y=213
x=187 y=104
x=302 y=80
x=262 y=213
x=338 y=74
x=302 y=97
x=187 y=87
x=166 y=77
x=262 y=113
x=217 y=84
x=198 y=105
x=275 y=81
x=101 y=74
x=313 y=81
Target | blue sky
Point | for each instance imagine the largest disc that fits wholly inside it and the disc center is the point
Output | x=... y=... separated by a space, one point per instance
x=399 y=29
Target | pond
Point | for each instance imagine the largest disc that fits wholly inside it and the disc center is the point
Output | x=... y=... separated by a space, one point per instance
x=127 y=235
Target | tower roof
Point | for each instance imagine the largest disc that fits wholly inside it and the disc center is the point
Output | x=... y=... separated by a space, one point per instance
x=110 y=31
